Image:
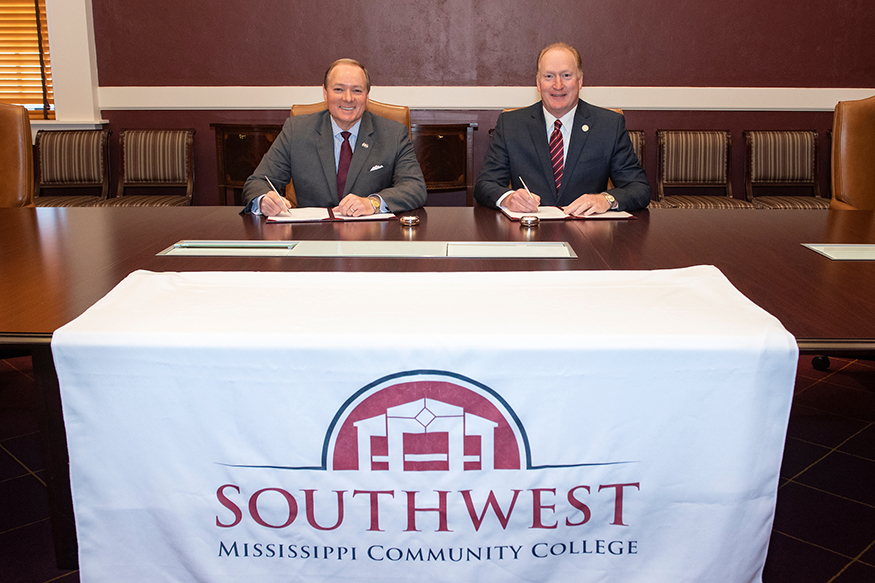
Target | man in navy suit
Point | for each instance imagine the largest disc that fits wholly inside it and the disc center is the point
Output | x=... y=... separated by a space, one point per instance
x=562 y=148
x=377 y=172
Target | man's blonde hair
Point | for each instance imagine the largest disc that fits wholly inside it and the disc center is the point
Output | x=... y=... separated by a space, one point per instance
x=347 y=62
x=565 y=46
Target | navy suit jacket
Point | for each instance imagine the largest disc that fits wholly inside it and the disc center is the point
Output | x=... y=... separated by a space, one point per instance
x=602 y=150
x=383 y=162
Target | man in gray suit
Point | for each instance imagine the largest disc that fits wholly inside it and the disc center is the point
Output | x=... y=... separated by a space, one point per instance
x=562 y=148
x=367 y=159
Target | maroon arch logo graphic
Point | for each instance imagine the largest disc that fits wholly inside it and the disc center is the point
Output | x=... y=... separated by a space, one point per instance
x=425 y=421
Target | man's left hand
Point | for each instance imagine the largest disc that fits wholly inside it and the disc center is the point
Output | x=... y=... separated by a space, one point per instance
x=588 y=204
x=355 y=206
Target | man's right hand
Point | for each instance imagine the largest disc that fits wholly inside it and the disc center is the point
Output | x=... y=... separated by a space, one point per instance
x=520 y=201
x=273 y=204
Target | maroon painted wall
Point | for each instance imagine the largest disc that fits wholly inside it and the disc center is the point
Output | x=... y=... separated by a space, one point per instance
x=746 y=43
x=793 y=43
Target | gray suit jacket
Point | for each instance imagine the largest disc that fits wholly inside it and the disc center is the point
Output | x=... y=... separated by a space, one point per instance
x=519 y=147
x=383 y=163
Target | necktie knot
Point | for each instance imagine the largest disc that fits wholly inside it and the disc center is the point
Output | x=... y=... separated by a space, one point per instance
x=557 y=125
x=345 y=136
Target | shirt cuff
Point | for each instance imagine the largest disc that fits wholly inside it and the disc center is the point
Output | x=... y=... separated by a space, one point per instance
x=383 y=207
x=255 y=205
x=502 y=197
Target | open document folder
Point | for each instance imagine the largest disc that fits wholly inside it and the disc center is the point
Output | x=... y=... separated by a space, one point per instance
x=317 y=214
x=552 y=213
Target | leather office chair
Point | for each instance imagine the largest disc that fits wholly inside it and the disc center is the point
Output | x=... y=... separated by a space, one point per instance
x=16 y=157
x=853 y=166
x=617 y=109
x=74 y=159
x=853 y=155
x=696 y=159
x=399 y=113
x=155 y=159
x=785 y=159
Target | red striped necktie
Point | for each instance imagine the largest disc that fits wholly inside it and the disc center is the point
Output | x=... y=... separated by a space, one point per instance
x=556 y=150
x=343 y=164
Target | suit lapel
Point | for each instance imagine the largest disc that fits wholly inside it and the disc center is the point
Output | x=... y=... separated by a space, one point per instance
x=361 y=153
x=538 y=135
x=325 y=150
x=575 y=148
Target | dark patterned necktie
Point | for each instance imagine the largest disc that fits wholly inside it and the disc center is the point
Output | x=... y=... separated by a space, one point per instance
x=343 y=164
x=556 y=151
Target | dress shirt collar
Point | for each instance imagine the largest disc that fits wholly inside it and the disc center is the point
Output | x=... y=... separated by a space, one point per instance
x=338 y=139
x=354 y=130
x=567 y=121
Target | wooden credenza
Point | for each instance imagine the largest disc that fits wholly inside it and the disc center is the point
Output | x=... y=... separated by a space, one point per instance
x=445 y=154
x=239 y=149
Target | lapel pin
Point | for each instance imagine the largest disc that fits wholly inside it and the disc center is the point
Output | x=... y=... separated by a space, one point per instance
x=585 y=128
x=364 y=144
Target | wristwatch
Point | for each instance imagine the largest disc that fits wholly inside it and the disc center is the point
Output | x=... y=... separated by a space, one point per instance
x=611 y=200
x=375 y=202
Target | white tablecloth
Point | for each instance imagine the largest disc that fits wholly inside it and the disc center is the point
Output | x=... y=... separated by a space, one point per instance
x=548 y=426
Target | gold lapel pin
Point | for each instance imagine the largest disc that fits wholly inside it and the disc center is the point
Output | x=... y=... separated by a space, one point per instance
x=585 y=128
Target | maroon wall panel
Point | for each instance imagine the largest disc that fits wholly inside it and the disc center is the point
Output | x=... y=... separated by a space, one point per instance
x=748 y=43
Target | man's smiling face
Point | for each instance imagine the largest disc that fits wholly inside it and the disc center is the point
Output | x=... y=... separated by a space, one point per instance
x=346 y=94
x=559 y=81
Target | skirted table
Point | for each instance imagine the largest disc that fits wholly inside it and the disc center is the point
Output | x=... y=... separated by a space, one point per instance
x=480 y=426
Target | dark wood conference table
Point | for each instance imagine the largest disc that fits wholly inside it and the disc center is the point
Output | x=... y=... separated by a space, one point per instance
x=56 y=262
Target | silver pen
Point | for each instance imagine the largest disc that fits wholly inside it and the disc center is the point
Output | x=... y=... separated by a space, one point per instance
x=274 y=189
x=529 y=192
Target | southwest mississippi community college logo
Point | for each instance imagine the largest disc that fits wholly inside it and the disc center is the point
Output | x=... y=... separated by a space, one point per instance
x=426 y=421
x=379 y=454
x=415 y=422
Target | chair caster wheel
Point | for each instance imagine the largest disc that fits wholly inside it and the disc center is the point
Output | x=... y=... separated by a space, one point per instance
x=820 y=362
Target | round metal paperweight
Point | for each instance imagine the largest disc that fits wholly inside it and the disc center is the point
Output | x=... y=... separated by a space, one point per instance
x=529 y=221
x=409 y=220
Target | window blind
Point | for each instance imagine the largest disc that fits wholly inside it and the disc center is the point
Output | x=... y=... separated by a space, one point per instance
x=25 y=65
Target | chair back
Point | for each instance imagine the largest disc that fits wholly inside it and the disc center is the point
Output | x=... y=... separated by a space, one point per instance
x=637 y=138
x=853 y=154
x=16 y=157
x=73 y=159
x=399 y=113
x=693 y=158
x=780 y=158
x=156 y=158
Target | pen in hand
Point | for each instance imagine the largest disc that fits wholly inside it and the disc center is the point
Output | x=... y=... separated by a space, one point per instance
x=272 y=187
x=529 y=192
